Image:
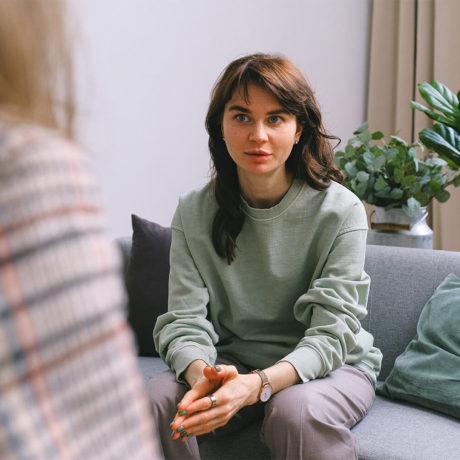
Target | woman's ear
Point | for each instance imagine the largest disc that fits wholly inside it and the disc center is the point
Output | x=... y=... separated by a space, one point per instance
x=299 y=130
x=298 y=133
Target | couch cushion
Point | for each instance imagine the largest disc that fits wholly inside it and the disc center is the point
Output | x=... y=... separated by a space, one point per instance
x=147 y=280
x=389 y=431
x=428 y=372
x=403 y=279
x=150 y=366
x=396 y=430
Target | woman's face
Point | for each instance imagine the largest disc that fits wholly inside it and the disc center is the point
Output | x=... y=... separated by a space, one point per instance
x=259 y=133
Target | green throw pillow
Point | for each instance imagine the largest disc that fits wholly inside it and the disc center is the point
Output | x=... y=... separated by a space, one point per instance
x=428 y=371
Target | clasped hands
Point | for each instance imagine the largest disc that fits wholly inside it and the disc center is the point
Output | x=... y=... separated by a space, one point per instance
x=232 y=391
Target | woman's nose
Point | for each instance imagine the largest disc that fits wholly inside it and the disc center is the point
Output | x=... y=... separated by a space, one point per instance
x=258 y=133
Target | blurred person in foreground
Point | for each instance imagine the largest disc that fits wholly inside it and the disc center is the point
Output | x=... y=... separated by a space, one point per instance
x=69 y=384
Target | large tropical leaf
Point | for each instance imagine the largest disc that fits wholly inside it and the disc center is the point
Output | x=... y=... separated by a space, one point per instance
x=446 y=93
x=441 y=98
x=444 y=140
x=434 y=115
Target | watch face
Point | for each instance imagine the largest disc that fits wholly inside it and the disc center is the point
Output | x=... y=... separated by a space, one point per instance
x=265 y=393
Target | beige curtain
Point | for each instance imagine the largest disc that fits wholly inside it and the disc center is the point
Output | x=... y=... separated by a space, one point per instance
x=414 y=41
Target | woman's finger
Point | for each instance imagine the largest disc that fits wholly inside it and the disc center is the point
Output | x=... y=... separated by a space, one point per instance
x=202 y=404
x=213 y=378
x=220 y=373
x=205 y=421
x=199 y=390
x=201 y=399
x=214 y=374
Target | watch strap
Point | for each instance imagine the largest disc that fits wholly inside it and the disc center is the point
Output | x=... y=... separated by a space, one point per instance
x=265 y=383
x=262 y=375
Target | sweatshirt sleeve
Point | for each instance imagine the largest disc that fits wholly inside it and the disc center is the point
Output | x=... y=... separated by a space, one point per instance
x=334 y=304
x=184 y=333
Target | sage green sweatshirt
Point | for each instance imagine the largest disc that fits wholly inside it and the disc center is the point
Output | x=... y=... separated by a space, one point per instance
x=295 y=292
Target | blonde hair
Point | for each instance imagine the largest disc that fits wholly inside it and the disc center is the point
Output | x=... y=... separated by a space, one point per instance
x=36 y=71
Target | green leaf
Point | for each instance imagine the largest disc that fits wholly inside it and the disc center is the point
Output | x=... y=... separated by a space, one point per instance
x=377 y=135
x=398 y=140
x=349 y=151
x=365 y=137
x=449 y=134
x=378 y=162
x=362 y=128
x=408 y=181
x=391 y=153
x=396 y=193
x=442 y=196
x=351 y=169
x=385 y=193
x=368 y=158
x=456 y=181
x=440 y=98
x=424 y=179
x=447 y=94
x=360 y=189
x=435 y=186
x=362 y=176
x=433 y=115
x=398 y=175
x=380 y=184
x=435 y=161
x=412 y=207
x=444 y=141
x=423 y=198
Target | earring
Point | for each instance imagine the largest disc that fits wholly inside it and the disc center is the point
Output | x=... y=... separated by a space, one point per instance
x=296 y=141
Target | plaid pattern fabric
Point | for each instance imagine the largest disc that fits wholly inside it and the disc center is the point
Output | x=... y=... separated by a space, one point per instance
x=69 y=383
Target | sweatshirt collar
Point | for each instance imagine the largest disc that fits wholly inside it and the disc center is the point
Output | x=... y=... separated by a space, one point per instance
x=275 y=211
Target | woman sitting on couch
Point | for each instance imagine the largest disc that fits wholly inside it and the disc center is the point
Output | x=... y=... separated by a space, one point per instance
x=266 y=280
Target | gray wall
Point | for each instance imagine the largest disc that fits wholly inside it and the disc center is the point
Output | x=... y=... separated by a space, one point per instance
x=146 y=68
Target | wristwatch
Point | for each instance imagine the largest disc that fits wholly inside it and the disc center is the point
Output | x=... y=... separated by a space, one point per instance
x=266 y=389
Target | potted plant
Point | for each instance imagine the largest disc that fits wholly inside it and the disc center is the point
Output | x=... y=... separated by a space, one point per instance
x=392 y=177
x=444 y=137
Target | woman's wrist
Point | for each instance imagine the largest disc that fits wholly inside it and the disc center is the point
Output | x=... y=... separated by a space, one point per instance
x=253 y=385
x=194 y=371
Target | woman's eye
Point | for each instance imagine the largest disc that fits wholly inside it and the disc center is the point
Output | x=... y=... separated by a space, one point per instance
x=241 y=117
x=275 y=119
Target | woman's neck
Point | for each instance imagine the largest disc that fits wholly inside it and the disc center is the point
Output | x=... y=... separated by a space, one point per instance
x=263 y=192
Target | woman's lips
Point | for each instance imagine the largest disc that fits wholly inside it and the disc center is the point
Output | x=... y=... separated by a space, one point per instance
x=258 y=153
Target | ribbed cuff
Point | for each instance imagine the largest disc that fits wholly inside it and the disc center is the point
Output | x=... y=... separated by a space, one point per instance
x=307 y=362
x=184 y=357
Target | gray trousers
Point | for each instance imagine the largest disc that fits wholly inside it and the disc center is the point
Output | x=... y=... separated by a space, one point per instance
x=305 y=421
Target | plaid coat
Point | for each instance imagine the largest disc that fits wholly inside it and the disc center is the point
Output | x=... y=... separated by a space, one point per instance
x=69 y=383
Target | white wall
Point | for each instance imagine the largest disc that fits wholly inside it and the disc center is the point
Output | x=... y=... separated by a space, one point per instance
x=146 y=68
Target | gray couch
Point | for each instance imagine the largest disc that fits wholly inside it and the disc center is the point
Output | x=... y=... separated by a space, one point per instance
x=402 y=281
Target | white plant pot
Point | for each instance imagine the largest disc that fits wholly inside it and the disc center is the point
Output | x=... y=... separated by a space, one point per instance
x=387 y=229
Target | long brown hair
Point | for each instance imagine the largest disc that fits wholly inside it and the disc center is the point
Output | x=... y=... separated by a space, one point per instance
x=311 y=160
x=36 y=72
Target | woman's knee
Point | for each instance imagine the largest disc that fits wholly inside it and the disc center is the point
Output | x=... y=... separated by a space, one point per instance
x=300 y=408
x=284 y=411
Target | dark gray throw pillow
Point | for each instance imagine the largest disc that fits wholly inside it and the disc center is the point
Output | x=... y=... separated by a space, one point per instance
x=147 y=280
